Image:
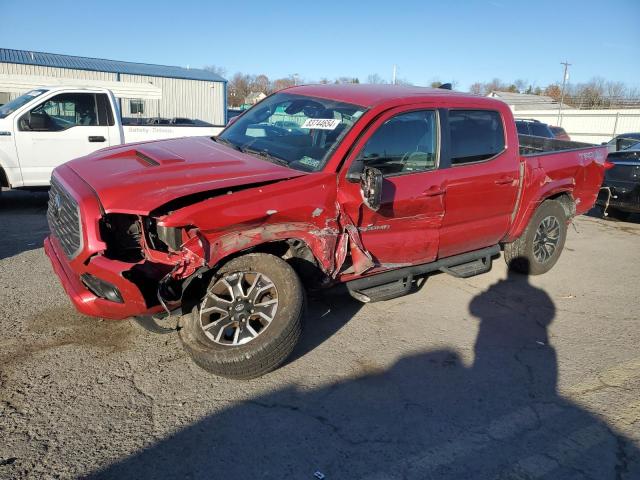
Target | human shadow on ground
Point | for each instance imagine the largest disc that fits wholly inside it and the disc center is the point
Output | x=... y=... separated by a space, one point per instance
x=23 y=221
x=428 y=416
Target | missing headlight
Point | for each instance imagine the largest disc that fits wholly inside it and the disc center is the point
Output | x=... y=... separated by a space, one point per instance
x=163 y=238
x=121 y=232
x=171 y=236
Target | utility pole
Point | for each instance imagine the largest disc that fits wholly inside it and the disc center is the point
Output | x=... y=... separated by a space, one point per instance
x=564 y=82
x=394 y=74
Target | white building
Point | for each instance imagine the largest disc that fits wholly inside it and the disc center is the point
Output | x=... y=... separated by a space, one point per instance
x=526 y=101
x=254 y=97
x=144 y=90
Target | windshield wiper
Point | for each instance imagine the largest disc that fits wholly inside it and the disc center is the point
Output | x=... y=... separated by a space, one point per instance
x=228 y=143
x=267 y=156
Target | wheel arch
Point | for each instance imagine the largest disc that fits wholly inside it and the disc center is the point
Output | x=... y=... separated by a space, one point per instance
x=296 y=251
x=562 y=194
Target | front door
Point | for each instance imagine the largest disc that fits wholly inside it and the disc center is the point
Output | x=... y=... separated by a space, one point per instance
x=404 y=146
x=61 y=128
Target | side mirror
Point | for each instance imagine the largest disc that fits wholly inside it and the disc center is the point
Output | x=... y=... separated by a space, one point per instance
x=36 y=121
x=371 y=187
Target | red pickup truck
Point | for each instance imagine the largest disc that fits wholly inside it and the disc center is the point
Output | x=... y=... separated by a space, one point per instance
x=371 y=187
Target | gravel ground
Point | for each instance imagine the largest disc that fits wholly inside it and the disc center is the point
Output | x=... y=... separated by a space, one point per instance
x=495 y=376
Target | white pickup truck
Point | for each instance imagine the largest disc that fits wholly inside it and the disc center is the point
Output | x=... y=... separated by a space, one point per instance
x=47 y=127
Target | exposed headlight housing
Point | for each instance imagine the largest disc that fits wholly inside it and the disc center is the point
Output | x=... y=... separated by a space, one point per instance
x=163 y=238
x=170 y=236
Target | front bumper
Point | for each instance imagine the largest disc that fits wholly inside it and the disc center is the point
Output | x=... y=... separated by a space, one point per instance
x=111 y=271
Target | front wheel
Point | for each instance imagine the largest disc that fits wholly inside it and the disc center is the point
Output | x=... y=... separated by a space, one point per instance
x=249 y=320
x=540 y=245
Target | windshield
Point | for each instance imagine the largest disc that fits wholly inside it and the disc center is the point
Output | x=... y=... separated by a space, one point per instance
x=16 y=103
x=295 y=130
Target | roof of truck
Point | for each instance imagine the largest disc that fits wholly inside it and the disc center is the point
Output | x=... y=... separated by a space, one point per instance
x=369 y=95
x=29 y=57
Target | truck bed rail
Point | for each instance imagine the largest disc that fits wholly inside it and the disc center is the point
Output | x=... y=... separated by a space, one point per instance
x=530 y=145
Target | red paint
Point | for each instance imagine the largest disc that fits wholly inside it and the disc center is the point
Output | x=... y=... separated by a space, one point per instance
x=423 y=216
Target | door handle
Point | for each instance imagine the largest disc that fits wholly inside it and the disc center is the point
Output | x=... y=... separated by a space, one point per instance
x=504 y=180
x=98 y=138
x=433 y=191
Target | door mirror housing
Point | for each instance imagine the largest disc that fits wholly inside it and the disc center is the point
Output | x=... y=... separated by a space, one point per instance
x=371 y=187
x=36 y=121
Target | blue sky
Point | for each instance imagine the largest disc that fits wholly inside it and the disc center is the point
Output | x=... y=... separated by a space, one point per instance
x=465 y=41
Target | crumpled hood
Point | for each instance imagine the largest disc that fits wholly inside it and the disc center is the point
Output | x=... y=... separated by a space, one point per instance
x=138 y=178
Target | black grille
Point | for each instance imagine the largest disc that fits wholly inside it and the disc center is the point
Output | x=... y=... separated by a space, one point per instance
x=64 y=219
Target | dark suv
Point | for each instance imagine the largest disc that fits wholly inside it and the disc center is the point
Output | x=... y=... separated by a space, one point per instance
x=533 y=127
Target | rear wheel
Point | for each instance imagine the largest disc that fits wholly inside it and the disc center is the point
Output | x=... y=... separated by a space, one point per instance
x=540 y=246
x=249 y=320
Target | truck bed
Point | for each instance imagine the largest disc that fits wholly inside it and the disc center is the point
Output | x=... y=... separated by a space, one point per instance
x=530 y=145
x=551 y=167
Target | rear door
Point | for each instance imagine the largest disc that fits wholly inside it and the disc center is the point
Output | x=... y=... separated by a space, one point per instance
x=482 y=180
x=404 y=144
x=61 y=128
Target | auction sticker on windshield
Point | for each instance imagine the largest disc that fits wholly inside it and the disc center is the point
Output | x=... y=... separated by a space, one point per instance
x=321 y=123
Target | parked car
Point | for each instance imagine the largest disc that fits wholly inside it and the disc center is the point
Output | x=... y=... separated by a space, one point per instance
x=623 y=141
x=559 y=133
x=534 y=128
x=391 y=184
x=622 y=179
x=48 y=126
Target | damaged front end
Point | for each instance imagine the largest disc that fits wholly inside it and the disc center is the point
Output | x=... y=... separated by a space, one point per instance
x=162 y=257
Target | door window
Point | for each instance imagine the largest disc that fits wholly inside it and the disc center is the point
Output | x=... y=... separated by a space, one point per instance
x=62 y=112
x=476 y=135
x=406 y=143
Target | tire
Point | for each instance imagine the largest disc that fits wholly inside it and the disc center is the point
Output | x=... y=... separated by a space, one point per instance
x=221 y=351
x=522 y=256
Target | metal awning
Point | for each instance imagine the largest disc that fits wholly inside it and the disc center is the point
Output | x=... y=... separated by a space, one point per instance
x=24 y=83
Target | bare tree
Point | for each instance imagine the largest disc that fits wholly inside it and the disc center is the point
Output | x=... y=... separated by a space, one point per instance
x=281 y=83
x=346 y=80
x=521 y=85
x=375 y=79
x=238 y=88
x=261 y=83
x=221 y=71
x=554 y=91
x=476 y=88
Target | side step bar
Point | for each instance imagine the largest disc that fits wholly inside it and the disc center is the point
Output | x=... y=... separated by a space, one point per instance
x=394 y=283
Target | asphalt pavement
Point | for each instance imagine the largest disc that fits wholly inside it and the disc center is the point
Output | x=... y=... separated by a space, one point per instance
x=498 y=376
